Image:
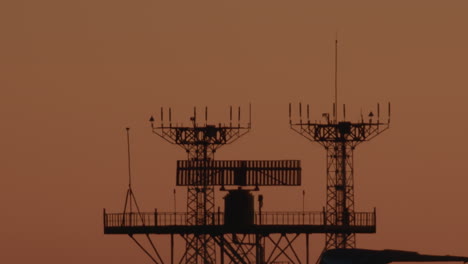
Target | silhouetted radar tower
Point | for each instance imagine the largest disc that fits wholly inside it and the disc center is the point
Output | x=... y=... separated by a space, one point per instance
x=339 y=138
x=200 y=141
x=240 y=233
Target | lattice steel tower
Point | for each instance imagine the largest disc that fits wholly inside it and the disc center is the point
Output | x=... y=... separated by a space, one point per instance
x=339 y=137
x=200 y=142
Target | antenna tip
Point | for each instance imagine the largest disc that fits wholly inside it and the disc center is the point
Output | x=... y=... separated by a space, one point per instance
x=127 y=128
x=151 y=119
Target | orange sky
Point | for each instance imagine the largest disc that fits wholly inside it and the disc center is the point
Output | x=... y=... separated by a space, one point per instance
x=74 y=74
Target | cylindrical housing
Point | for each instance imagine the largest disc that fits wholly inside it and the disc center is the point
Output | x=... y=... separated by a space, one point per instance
x=239 y=208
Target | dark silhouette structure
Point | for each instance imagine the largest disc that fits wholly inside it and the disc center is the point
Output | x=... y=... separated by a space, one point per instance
x=197 y=173
x=239 y=234
x=339 y=138
x=366 y=256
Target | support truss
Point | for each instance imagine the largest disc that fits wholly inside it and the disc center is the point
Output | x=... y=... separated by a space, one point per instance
x=340 y=138
x=200 y=142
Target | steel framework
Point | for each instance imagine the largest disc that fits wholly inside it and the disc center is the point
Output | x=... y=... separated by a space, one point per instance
x=240 y=234
x=200 y=142
x=339 y=138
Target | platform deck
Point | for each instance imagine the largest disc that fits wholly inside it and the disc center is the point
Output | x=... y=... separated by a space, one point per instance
x=264 y=223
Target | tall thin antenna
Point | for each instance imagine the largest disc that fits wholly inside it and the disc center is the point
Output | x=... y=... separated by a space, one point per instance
x=175 y=203
x=300 y=112
x=344 y=112
x=129 y=160
x=129 y=191
x=130 y=198
x=378 y=113
x=170 y=117
x=194 y=118
x=335 y=110
x=389 y=112
x=250 y=115
x=230 y=115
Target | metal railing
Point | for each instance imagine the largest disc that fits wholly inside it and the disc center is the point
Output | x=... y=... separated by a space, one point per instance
x=364 y=219
x=289 y=218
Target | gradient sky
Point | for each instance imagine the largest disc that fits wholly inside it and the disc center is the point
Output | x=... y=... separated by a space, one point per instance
x=74 y=74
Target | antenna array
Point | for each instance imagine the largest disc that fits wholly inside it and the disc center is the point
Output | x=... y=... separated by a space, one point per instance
x=339 y=138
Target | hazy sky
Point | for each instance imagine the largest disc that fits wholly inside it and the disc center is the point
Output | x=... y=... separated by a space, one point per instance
x=74 y=74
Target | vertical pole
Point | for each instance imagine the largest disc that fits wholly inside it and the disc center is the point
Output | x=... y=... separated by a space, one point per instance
x=307 y=248
x=344 y=205
x=172 y=248
x=175 y=204
x=260 y=205
x=303 y=207
x=230 y=116
x=336 y=82
x=162 y=116
x=250 y=115
x=130 y=194
x=155 y=217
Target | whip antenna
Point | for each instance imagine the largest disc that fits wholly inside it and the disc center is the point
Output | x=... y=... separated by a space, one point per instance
x=130 y=198
x=129 y=160
x=335 y=110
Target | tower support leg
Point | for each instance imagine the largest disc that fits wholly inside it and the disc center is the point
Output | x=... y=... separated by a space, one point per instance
x=172 y=248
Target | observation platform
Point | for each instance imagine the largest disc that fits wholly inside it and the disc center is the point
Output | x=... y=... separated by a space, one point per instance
x=264 y=223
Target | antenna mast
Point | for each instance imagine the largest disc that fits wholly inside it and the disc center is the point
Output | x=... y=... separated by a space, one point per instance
x=129 y=160
x=340 y=138
x=130 y=198
x=335 y=110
